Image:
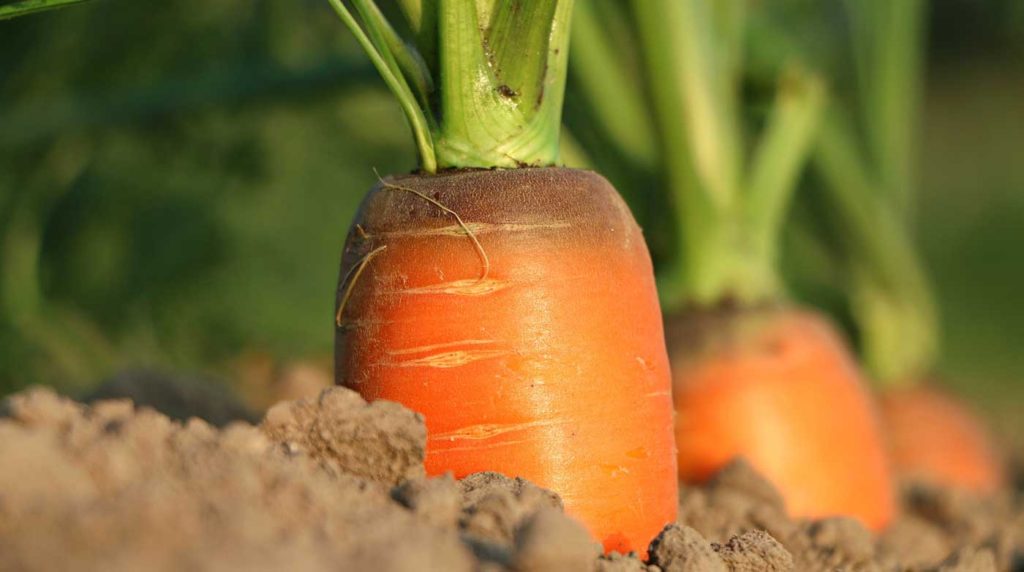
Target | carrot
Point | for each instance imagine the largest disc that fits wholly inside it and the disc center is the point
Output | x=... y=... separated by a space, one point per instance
x=934 y=438
x=551 y=366
x=778 y=387
x=864 y=159
x=514 y=307
x=754 y=376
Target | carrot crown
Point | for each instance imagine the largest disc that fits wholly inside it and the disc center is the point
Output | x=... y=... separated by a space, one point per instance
x=481 y=82
x=728 y=194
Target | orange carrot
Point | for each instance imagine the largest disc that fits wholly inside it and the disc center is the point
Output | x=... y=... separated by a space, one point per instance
x=778 y=388
x=934 y=438
x=516 y=309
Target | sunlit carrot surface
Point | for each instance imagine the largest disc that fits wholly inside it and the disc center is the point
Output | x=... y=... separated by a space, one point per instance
x=537 y=352
x=935 y=438
x=779 y=388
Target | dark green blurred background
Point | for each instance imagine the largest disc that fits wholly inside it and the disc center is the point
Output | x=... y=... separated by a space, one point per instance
x=176 y=180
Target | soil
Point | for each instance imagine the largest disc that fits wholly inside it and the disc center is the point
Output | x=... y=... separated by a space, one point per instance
x=334 y=483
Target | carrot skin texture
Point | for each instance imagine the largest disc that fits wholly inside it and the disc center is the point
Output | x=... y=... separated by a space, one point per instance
x=779 y=388
x=934 y=438
x=551 y=367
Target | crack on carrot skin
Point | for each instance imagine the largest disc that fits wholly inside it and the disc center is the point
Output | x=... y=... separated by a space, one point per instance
x=658 y=394
x=476 y=242
x=446 y=360
x=432 y=347
x=458 y=288
x=489 y=430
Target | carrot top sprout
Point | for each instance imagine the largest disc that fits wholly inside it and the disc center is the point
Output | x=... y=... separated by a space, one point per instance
x=865 y=157
x=24 y=7
x=729 y=194
x=480 y=82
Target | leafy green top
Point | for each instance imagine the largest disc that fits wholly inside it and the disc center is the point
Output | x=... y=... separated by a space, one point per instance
x=480 y=81
x=728 y=207
x=865 y=159
x=14 y=8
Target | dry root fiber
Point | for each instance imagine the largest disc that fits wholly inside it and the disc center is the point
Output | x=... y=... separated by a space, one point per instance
x=337 y=484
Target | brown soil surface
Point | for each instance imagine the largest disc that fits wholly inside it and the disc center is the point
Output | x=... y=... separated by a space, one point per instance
x=337 y=484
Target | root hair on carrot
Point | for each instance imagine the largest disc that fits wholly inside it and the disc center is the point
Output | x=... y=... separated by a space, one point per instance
x=465 y=228
x=352 y=277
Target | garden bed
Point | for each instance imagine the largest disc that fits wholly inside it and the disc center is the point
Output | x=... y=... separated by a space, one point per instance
x=338 y=484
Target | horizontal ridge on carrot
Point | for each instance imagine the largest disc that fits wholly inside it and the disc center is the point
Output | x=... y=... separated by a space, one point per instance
x=510 y=302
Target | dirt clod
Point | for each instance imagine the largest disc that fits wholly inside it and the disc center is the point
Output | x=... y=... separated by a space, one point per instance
x=754 y=551
x=438 y=501
x=549 y=541
x=381 y=441
x=494 y=506
x=616 y=562
x=683 y=549
x=969 y=560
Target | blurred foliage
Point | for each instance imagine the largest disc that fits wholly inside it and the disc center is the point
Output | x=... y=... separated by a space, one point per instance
x=176 y=183
x=176 y=180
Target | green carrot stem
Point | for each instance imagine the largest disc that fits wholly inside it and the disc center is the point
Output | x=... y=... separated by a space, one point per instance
x=891 y=299
x=779 y=160
x=396 y=83
x=25 y=7
x=729 y=215
x=484 y=85
x=601 y=70
x=421 y=16
x=887 y=39
x=872 y=190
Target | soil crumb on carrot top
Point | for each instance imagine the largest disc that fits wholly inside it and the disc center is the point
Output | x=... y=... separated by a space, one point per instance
x=336 y=483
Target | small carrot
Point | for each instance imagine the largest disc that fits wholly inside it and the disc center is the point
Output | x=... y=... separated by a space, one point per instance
x=934 y=438
x=514 y=307
x=778 y=387
x=753 y=375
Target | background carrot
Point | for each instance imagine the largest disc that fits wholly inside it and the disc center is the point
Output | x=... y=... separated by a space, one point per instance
x=780 y=388
x=515 y=308
x=934 y=437
x=865 y=161
x=753 y=375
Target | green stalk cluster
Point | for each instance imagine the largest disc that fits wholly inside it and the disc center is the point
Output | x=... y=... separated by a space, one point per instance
x=481 y=82
x=865 y=160
x=730 y=193
x=13 y=9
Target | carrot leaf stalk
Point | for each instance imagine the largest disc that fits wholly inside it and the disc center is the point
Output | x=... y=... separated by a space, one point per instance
x=865 y=159
x=887 y=54
x=729 y=208
x=481 y=83
x=610 y=83
x=24 y=7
